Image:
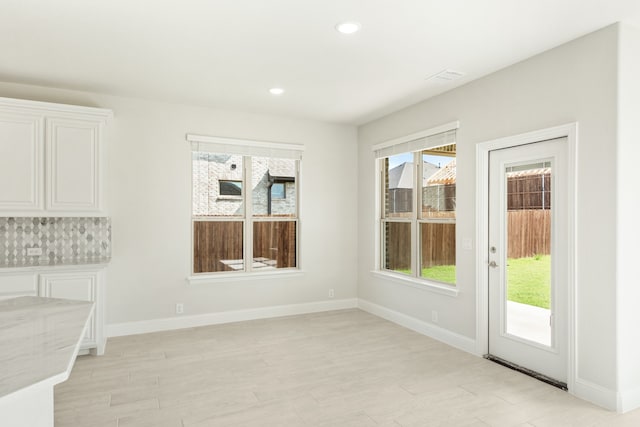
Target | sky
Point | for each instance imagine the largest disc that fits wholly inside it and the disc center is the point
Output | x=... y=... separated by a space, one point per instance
x=408 y=157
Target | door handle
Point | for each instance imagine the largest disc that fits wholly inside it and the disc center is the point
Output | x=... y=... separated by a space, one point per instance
x=493 y=264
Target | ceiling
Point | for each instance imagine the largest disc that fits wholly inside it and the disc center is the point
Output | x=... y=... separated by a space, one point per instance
x=228 y=53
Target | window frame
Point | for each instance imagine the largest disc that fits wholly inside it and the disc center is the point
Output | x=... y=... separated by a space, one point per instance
x=245 y=148
x=399 y=146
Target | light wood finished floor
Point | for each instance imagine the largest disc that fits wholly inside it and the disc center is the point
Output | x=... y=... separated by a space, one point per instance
x=341 y=368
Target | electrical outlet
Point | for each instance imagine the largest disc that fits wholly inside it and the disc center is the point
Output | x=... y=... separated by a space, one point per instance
x=331 y=293
x=179 y=308
x=34 y=251
x=434 y=316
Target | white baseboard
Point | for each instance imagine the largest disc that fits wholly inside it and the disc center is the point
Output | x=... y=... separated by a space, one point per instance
x=596 y=394
x=181 y=322
x=629 y=400
x=451 y=338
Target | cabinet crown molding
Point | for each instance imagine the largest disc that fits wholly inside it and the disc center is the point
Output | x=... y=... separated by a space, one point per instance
x=28 y=106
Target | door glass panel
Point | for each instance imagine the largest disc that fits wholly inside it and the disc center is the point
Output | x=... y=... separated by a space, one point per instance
x=528 y=243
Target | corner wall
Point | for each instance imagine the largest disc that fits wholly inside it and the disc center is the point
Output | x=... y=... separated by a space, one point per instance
x=149 y=204
x=576 y=82
x=628 y=226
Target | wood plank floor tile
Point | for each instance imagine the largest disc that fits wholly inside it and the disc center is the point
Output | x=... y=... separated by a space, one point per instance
x=341 y=368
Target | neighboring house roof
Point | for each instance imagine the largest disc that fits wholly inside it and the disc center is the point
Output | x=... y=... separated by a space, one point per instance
x=402 y=175
x=529 y=172
x=446 y=175
x=428 y=170
x=283 y=168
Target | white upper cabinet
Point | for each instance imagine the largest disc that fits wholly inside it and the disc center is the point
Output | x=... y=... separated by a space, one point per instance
x=52 y=159
x=21 y=162
x=73 y=165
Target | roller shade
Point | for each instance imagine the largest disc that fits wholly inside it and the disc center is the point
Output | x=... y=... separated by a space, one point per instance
x=443 y=135
x=213 y=144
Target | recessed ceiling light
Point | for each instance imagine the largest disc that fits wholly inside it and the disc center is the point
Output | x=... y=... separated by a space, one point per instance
x=348 y=27
x=276 y=91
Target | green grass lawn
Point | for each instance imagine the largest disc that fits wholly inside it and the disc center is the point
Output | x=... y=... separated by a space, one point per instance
x=529 y=279
x=441 y=273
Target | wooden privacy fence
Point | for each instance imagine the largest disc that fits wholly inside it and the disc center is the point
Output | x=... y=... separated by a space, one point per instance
x=529 y=191
x=274 y=244
x=528 y=221
x=276 y=241
x=529 y=232
x=214 y=241
x=438 y=245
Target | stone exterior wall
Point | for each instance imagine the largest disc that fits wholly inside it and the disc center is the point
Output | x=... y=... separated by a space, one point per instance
x=210 y=168
x=287 y=205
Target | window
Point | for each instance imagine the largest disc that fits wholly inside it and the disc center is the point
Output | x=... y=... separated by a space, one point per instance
x=418 y=207
x=278 y=191
x=231 y=226
x=230 y=188
x=437 y=217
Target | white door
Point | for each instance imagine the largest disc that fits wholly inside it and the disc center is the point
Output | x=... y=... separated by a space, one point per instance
x=528 y=257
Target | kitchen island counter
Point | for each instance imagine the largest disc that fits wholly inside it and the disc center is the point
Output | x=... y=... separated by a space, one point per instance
x=39 y=341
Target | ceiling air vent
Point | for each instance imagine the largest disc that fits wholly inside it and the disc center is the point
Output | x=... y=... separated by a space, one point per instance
x=446 y=76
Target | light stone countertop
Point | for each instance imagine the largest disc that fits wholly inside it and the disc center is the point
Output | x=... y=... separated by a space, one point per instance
x=39 y=340
x=63 y=265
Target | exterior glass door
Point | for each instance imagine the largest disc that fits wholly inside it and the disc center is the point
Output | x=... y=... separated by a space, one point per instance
x=528 y=257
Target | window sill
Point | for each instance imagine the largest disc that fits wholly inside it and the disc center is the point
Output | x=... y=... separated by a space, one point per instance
x=417 y=283
x=240 y=277
x=233 y=198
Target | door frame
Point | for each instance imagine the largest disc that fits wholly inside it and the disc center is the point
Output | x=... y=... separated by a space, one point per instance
x=570 y=131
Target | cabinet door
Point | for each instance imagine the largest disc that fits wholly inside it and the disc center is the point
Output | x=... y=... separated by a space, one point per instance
x=21 y=162
x=18 y=284
x=82 y=286
x=73 y=165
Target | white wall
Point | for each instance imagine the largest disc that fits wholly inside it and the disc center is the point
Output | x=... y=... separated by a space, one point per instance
x=574 y=82
x=628 y=205
x=149 y=197
x=149 y=201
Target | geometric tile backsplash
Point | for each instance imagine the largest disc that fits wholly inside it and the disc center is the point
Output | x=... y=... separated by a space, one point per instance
x=62 y=240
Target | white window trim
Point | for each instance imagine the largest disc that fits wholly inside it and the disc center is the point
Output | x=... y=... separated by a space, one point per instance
x=245 y=148
x=413 y=281
x=226 y=277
